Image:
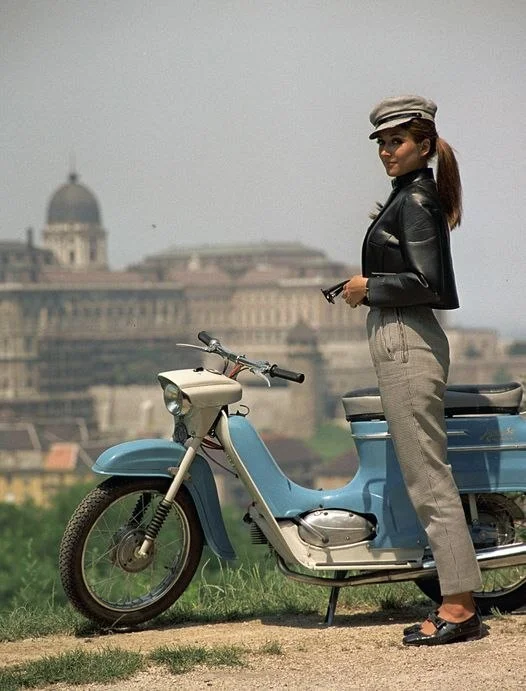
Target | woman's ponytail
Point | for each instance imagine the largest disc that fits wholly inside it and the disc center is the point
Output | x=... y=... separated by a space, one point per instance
x=449 y=185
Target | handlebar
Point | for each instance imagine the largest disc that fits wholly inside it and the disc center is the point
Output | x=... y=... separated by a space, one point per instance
x=297 y=377
x=334 y=291
x=257 y=366
x=205 y=338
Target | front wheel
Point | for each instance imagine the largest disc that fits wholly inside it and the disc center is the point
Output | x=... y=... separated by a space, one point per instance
x=102 y=574
x=500 y=522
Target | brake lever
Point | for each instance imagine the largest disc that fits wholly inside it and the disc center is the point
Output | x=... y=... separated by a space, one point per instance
x=195 y=347
x=258 y=373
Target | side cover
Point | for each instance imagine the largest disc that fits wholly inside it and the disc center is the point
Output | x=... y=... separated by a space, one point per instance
x=154 y=458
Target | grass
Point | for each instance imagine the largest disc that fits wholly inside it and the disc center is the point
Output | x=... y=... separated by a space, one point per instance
x=271 y=648
x=74 y=667
x=33 y=621
x=258 y=592
x=184 y=658
x=219 y=594
x=222 y=594
x=79 y=667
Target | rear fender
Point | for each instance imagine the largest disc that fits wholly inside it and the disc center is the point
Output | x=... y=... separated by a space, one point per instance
x=154 y=458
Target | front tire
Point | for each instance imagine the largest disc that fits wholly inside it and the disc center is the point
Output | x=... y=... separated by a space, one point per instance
x=502 y=589
x=101 y=572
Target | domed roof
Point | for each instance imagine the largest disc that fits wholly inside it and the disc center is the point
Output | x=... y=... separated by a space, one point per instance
x=73 y=203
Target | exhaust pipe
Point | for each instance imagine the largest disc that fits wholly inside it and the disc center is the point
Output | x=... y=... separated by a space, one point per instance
x=488 y=558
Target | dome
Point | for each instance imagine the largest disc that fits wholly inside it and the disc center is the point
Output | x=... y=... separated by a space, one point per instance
x=73 y=203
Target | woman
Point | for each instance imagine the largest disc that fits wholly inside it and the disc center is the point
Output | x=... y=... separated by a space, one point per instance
x=407 y=272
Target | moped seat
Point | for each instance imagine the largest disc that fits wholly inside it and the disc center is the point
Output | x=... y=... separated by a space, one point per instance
x=460 y=399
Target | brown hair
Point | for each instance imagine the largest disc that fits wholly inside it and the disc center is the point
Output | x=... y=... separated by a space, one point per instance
x=449 y=184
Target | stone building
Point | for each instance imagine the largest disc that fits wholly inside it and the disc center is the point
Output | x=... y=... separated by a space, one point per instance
x=68 y=323
x=80 y=342
x=72 y=330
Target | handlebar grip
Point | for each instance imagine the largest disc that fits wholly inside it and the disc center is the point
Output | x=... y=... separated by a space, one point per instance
x=204 y=337
x=296 y=377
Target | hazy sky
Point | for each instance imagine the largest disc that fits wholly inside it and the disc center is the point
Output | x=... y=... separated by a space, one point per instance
x=207 y=121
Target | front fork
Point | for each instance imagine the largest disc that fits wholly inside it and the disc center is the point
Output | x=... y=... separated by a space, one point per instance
x=166 y=502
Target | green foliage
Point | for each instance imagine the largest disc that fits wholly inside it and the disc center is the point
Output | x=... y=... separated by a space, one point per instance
x=331 y=441
x=517 y=348
x=38 y=619
x=74 y=667
x=29 y=542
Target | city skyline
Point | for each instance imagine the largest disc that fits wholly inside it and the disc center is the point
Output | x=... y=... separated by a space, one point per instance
x=230 y=122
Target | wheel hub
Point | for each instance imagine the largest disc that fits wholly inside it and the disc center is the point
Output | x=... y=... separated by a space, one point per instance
x=492 y=529
x=125 y=552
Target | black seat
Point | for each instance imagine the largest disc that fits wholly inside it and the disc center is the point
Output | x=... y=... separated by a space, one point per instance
x=460 y=399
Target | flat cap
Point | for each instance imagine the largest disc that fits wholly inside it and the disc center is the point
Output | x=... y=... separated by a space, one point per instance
x=396 y=110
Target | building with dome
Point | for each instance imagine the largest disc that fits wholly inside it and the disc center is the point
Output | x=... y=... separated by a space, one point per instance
x=69 y=324
x=74 y=231
x=74 y=334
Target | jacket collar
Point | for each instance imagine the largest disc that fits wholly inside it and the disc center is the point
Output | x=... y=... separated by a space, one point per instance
x=413 y=176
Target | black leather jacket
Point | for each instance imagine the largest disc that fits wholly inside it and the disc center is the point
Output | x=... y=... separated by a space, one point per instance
x=406 y=252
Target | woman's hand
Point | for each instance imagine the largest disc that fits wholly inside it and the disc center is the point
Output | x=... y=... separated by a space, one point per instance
x=354 y=291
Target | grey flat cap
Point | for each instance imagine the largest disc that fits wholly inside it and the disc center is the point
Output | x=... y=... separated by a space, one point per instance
x=396 y=110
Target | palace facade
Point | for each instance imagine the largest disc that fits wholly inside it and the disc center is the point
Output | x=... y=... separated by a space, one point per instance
x=69 y=324
x=81 y=345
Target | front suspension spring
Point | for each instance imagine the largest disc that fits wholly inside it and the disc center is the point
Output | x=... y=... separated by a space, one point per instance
x=156 y=524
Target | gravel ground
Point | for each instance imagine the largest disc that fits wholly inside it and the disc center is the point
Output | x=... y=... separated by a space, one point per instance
x=360 y=651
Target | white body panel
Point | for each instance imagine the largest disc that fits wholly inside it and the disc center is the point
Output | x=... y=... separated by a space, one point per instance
x=284 y=537
x=205 y=388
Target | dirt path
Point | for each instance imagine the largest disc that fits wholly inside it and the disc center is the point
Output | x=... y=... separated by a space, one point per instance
x=361 y=651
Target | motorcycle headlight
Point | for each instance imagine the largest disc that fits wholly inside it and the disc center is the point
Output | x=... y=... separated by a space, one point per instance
x=174 y=400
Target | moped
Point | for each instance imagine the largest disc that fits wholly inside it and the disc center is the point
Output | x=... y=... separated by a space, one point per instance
x=134 y=543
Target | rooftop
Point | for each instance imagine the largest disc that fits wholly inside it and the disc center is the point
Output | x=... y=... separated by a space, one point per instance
x=73 y=203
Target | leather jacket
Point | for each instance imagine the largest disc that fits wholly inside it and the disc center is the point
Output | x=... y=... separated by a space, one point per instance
x=406 y=252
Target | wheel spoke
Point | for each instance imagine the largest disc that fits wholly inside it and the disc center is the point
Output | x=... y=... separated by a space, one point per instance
x=113 y=572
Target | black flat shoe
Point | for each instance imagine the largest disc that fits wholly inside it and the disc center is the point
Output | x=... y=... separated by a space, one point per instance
x=416 y=627
x=446 y=631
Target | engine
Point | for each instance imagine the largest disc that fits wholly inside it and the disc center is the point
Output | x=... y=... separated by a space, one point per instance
x=334 y=527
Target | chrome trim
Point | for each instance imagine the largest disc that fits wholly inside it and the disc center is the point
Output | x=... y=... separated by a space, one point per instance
x=469 y=449
x=497 y=447
x=386 y=435
x=488 y=558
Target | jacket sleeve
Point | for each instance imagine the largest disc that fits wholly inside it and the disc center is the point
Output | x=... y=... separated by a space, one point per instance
x=420 y=226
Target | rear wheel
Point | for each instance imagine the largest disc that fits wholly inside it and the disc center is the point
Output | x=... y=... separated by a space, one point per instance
x=102 y=573
x=500 y=522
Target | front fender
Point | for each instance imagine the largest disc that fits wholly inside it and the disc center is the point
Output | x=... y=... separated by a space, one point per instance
x=154 y=458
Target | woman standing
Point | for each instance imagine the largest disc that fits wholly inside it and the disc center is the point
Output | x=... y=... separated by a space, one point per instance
x=407 y=272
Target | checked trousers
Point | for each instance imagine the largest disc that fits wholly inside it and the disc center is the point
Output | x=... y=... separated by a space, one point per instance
x=410 y=354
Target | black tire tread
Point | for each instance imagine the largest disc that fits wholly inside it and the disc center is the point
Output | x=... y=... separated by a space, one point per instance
x=78 y=528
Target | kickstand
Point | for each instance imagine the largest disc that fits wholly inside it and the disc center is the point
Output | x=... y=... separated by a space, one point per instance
x=333 y=599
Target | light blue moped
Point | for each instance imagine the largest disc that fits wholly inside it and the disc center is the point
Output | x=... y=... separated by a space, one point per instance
x=134 y=543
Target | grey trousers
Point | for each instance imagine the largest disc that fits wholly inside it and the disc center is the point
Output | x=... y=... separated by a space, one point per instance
x=410 y=354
